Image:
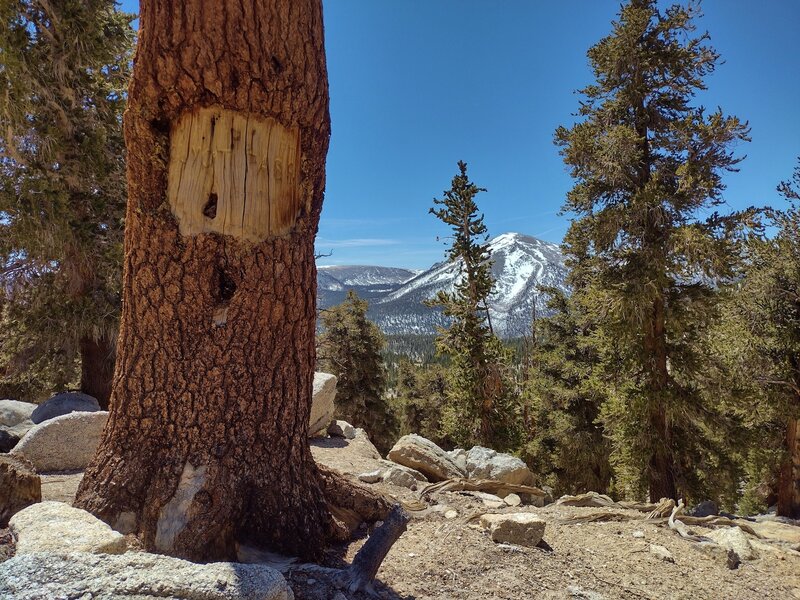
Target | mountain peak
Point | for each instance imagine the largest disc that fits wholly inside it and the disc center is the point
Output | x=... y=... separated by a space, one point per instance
x=521 y=263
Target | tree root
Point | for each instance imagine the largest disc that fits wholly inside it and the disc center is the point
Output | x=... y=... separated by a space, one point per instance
x=360 y=575
x=350 y=503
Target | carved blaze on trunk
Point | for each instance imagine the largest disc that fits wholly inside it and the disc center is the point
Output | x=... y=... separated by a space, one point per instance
x=227 y=129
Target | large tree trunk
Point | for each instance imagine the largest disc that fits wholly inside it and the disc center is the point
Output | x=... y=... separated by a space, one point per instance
x=789 y=478
x=97 y=368
x=661 y=475
x=227 y=128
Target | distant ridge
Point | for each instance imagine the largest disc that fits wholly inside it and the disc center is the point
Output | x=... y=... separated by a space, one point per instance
x=521 y=263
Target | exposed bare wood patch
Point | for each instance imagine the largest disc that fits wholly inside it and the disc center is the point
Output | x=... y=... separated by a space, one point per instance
x=233 y=173
x=175 y=514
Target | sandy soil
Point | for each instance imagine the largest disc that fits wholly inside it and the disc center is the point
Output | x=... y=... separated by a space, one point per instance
x=440 y=558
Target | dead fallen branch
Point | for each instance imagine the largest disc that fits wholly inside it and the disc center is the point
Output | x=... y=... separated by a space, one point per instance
x=598 y=517
x=498 y=488
x=681 y=527
x=361 y=572
x=663 y=509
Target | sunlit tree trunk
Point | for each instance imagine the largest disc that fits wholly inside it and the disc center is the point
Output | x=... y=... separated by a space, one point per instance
x=227 y=129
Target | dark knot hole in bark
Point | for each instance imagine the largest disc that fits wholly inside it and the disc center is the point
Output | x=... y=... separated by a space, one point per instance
x=210 y=208
x=226 y=288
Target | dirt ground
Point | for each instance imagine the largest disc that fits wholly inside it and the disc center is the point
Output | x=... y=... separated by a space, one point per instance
x=441 y=558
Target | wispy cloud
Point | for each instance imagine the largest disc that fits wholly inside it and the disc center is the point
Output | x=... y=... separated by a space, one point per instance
x=355 y=243
x=353 y=222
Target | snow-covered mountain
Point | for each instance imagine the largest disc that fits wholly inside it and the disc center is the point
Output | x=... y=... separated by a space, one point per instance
x=521 y=263
x=370 y=282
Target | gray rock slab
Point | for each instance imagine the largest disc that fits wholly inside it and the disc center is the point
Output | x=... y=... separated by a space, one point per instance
x=63 y=404
x=322 y=403
x=13 y=412
x=521 y=529
x=135 y=576
x=426 y=457
x=733 y=538
x=485 y=463
x=342 y=429
x=58 y=527
x=63 y=443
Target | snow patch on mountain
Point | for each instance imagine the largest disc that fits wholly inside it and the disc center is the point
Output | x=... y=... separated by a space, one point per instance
x=521 y=264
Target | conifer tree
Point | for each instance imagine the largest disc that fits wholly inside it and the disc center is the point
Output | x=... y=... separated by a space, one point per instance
x=420 y=395
x=350 y=347
x=478 y=391
x=768 y=304
x=63 y=71
x=566 y=447
x=648 y=164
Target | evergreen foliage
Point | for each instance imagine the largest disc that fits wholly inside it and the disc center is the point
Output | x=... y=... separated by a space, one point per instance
x=419 y=398
x=566 y=447
x=648 y=164
x=479 y=402
x=64 y=67
x=350 y=347
x=767 y=350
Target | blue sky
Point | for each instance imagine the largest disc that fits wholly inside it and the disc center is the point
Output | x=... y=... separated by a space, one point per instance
x=417 y=85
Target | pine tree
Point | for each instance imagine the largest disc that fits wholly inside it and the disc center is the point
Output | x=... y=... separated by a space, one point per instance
x=478 y=391
x=768 y=310
x=566 y=446
x=647 y=164
x=420 y=395
x=350 y=347
x=63 y=71
x=226 y=129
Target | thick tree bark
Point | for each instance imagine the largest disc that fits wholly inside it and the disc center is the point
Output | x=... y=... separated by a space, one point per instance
x=97 y=368
x=789 y=477
x=206 y=444
x=661 y=476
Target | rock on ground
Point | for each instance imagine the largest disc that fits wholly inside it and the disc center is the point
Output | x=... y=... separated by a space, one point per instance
x=485 y=463
x=459 y=455
x=63 y=404
x=399 y=477
x=522 y=529
x=342 y=429
x=371 y=477
x=661 y=553
x=15 y=421
x=20 y=486
x=58 y=527
x=135 y=575
x=63 y=443
x=14 y=433
x=733 y=538
x=426 y=457
x=7 y=440
x=14 y=412
x=322 y=403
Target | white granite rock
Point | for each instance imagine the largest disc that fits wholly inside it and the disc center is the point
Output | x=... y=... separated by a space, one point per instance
x=63 y=443
x=521 y=529
x=426 y=457
x=342 y=429
x=733 y=538
x=485 y=463
x=136 y=576
x=322 y=403
x=14 y=412
x=58 y=527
